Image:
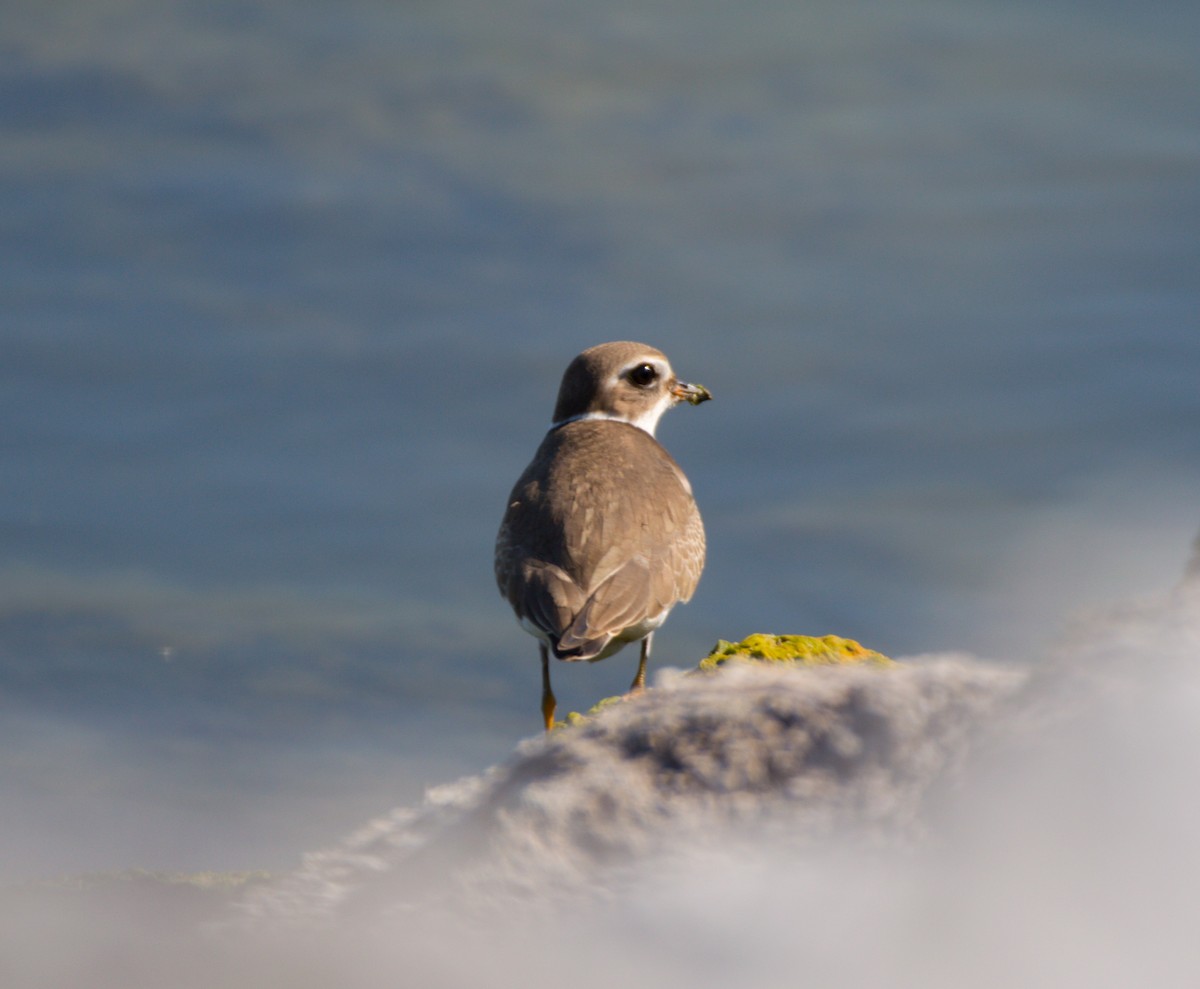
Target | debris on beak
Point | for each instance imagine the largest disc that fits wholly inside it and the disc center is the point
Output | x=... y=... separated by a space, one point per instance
x=695 y=394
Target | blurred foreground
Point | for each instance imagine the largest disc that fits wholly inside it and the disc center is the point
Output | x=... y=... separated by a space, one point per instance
x=944 y=823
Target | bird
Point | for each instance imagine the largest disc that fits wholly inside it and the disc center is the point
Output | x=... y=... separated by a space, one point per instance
x=601 y=536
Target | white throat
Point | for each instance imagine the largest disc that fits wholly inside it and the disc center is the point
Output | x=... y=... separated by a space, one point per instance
x=647 y=421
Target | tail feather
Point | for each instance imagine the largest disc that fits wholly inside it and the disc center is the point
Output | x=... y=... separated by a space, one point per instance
x=570 y=646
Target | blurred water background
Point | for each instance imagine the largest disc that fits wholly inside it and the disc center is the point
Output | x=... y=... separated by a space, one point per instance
x=287 y=289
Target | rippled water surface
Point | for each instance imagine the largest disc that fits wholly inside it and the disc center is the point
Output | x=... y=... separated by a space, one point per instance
x=287 y=292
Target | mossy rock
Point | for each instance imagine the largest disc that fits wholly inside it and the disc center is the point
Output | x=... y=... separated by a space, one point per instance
x=792 y=650
x=787 y=650
x=575 y=718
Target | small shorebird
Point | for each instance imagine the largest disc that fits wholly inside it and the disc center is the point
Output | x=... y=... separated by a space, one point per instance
x=602 y=538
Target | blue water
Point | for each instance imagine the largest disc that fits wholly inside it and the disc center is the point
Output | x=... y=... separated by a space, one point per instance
x=287 y=292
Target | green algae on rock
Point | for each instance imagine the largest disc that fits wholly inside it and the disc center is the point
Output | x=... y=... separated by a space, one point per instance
x=575 y=718
x=792 y=650
x=785 y=650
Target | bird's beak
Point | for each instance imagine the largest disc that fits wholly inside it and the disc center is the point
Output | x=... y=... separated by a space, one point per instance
x=695 y=394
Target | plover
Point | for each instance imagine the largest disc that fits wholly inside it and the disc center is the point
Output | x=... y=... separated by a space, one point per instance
x=602 y=537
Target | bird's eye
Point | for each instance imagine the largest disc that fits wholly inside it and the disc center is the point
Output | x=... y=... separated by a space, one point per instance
x=644 y=375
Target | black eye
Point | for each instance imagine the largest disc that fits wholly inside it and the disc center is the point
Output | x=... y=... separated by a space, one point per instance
x=644 y=375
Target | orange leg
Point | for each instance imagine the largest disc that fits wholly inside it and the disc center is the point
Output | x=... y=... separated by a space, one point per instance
x=639 y=679
x=548 y=701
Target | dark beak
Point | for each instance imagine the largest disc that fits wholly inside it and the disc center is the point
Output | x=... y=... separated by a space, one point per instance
x=695 y=394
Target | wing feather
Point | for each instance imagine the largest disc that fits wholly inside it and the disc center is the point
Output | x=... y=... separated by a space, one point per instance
x=583 y=554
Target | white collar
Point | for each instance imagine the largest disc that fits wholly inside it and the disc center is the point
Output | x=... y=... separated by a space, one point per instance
x=647 y=422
